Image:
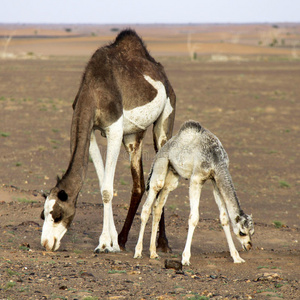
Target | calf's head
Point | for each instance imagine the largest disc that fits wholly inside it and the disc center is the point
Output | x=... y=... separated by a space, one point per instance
x=58 y=214
x=244 y=230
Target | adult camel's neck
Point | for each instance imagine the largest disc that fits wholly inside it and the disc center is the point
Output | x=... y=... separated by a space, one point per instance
x=73 y=178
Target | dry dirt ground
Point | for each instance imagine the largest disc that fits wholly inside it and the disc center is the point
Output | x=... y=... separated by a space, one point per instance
x=251 y=102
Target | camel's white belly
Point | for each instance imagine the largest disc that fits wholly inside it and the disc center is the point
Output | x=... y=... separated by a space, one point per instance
x=141 y=117
x=184 y=169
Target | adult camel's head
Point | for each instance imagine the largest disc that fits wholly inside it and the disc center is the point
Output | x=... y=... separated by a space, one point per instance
x=58 y=213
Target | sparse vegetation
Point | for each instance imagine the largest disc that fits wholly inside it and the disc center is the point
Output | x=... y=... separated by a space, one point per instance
x=272 y=152
x=273 y=293
x=24 y=248
x=55 y=143
x=11 y=272
x=10 y=285
x=284 y=184
x=77 y=251
x=116 y=271
x=123 y=182
x=262 y=267
x=198 y=297
x=278 y=224
x=273 y=43
x=74 y=237
x=172 y=207
x=25 y=200
x=4 y=134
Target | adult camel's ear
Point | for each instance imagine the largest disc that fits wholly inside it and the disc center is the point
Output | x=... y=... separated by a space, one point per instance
x=62 y=195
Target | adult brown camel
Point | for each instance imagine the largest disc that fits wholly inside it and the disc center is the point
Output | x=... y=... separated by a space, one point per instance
x=123 y=91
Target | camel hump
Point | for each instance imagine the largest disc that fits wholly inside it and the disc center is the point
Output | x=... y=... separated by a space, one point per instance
x=127 y=34
x=191 y=125
x=128 y=41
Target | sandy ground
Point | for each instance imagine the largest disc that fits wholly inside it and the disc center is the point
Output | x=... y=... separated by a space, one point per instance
x=245 y=93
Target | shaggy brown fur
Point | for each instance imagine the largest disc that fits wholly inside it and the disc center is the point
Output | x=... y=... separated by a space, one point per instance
x=113 y=81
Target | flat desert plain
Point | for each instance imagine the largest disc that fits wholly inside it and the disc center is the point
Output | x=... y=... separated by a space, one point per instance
x=239 y=81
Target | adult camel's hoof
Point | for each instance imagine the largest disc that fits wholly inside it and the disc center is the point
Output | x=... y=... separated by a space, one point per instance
x=163 y=245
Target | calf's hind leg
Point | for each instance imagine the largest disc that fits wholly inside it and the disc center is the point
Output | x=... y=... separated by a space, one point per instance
x=194 y=194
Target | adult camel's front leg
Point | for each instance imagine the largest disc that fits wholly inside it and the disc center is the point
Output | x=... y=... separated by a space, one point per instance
x=133 y=144
x=108 y=240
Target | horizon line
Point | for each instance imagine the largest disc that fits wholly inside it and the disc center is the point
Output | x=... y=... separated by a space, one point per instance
x=154 y=23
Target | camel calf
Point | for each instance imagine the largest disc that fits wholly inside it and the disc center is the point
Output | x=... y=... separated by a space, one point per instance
x=195 y=154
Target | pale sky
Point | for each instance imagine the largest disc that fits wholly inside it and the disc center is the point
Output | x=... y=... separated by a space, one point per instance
x=153 y=11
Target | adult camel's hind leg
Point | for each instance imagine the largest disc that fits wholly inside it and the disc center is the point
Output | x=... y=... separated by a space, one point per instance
x=162 y=132
x=133 y=144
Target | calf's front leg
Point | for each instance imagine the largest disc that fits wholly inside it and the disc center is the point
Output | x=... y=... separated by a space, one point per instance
x=146 y=210
x=225 y=224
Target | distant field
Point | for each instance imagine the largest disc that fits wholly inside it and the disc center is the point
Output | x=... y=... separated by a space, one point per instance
x=164 y=40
